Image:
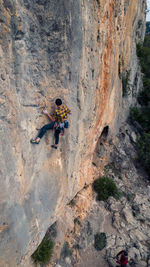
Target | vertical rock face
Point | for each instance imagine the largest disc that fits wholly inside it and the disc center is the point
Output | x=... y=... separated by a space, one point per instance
x=78 y=51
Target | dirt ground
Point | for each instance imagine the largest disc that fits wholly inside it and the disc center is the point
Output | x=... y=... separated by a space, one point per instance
x=92 y=258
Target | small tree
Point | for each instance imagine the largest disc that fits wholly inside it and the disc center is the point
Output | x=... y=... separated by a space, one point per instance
x=100 y=241
x=44 y=251
x=105 y=187
x=144 y=151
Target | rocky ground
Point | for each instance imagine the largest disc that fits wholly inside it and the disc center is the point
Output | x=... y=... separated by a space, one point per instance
x=126 y=221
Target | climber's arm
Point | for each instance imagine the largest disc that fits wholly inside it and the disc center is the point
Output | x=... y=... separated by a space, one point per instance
x=48 y=115
x=119 y=253
x=68 y=110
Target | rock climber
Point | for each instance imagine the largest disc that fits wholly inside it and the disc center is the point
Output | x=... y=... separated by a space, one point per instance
x=122 y=258
x=59 y=122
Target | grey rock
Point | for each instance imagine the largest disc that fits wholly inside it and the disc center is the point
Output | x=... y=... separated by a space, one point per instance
x=9 y=4
x=133 y=137
x=68 y=261
x=51 y=46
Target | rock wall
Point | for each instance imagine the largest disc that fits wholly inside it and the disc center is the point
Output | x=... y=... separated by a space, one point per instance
x=125 y=221
x=76 y=50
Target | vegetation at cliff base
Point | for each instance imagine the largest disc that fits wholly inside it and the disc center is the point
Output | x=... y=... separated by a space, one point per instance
x=143 y=52
x=141 y=112
x=126 y=90
x=105 y=187
x=100 y=241
x=144 y=150
x=44 y=251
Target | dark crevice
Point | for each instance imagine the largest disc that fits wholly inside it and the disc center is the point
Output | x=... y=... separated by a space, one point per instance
x=104 y=133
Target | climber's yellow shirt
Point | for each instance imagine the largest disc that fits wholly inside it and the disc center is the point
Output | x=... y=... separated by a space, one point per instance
x=60 y=114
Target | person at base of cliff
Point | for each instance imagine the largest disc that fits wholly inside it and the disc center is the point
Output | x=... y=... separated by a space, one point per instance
x=122 y=258
x=59 y=122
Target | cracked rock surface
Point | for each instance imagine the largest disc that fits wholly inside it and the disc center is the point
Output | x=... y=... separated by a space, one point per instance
x=75 y=50
x=126 y=221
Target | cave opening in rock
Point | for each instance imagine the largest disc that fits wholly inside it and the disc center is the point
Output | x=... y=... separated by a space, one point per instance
x=104 y=133
x=100 y=148
x=102 y=139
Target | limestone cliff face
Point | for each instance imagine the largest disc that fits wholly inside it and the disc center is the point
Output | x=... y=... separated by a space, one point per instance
x=76 y=50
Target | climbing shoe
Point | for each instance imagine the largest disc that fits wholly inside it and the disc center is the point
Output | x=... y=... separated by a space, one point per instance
x=54 y=146
x=32 y=141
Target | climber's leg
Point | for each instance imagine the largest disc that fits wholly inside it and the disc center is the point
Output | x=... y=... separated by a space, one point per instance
x=57 y=133
x=45 y=128
x=42 y=132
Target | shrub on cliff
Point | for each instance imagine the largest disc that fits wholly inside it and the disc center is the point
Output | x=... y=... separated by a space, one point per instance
x=126 y=86
x=44 y=251
x=144 y=150
x=141 y=114
x=105 y=187
x=143 y=52
x=100 y=241
x=144 y=96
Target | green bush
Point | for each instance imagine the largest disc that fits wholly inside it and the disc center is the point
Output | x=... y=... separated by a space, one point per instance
x=144 y=150
x=143 y=52
x=144 y=95
x=105 y=187
x=126 y=84
x=100 y=241
x=76 y=220
x=44 y=251
x=135 y=114
x=142 y=114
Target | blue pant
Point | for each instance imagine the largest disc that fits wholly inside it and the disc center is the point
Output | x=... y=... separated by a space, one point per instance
x=50 y=126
